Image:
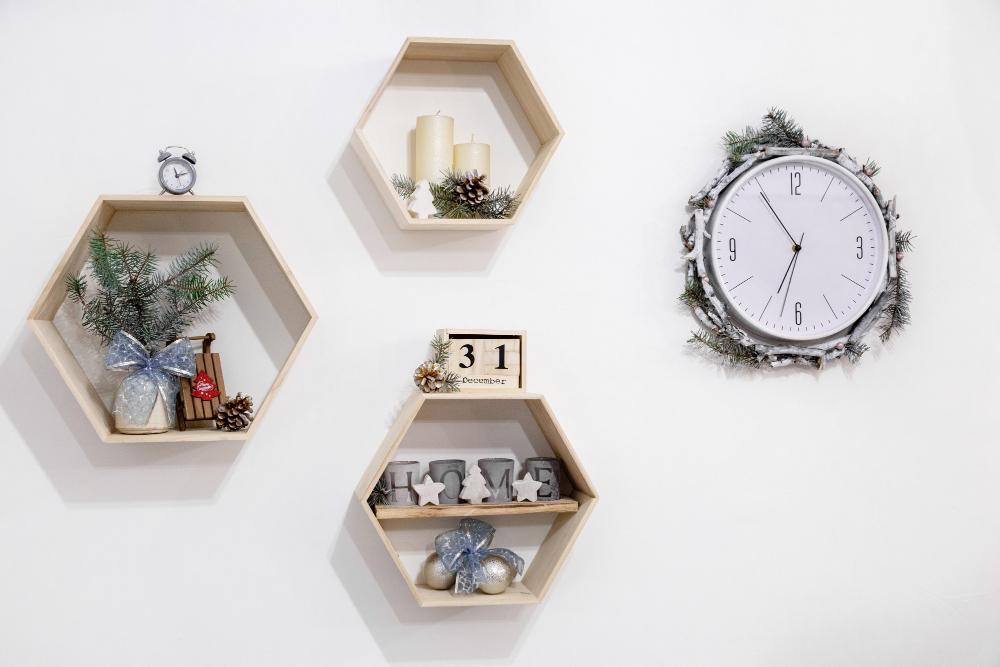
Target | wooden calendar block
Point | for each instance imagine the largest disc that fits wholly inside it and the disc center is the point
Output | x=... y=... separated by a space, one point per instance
x=488 y=360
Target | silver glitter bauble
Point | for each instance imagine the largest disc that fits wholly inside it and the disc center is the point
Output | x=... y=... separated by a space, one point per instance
x=436 y=574
x=499 y=574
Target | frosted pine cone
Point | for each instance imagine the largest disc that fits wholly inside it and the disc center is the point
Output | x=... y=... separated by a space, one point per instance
x=234 y=414
x=429 y=377
x=471 y=189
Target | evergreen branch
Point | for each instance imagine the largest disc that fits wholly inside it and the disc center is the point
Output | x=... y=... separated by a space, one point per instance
x=777 y=129
x=694 y=295
x=896 y=313
x=442 y=350
x=732 y=351
x=379 y=494
x=404 y=185
x=904 y=241
x=450 y=382
x=499 y=203
x=854 y=350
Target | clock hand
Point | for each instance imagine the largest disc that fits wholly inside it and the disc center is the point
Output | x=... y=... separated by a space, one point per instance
x=792 y=261
x=794 y=264
x=176 y=175
x=768 y=202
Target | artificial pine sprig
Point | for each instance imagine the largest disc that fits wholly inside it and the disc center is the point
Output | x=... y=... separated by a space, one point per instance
x=853 y=351
x=499 y=203
x=895 y=314
x=777 y=129
x=379 y=494
x=731 y=350
x=694 y=295
x=132 y=296
x=442 y=352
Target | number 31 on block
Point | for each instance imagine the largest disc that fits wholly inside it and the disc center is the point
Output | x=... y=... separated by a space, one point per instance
x=488 y=360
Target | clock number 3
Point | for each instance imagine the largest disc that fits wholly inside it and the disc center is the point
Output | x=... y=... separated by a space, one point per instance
x=795 y=182
x=861 y=248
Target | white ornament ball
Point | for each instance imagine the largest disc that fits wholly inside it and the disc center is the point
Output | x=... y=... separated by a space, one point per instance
x=840 y=346
x=499 y=574
x=436 y=574
x=899 y=257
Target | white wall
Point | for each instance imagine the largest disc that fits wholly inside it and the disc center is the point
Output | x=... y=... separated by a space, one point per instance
x=790 y=518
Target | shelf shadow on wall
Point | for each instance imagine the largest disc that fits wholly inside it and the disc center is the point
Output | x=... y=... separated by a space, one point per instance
x=396 y=251
x=404 y=631
x=82 y=468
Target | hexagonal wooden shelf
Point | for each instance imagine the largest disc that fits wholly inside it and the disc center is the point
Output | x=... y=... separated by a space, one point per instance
x=525 y=90
x=571 y=513
x=188 y=212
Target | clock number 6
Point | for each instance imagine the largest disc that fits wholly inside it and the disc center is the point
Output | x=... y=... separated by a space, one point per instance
x=795 y=182
x=861 y=248
x=732 y=250
x=798 y=312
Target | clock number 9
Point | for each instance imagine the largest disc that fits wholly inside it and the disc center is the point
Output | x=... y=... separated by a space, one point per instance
x=795 y=182
x=732 y=250
x=798 y=313
x=861 y=248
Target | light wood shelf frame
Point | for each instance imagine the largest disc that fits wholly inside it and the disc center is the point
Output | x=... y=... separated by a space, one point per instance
x=535 y=583
x=527 y=93
x=42 y=315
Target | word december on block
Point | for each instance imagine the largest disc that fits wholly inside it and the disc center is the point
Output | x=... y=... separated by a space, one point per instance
x=487 y=360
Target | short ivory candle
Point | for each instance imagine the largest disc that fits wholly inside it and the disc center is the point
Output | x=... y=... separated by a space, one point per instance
x=473 y=156
x=435 y=147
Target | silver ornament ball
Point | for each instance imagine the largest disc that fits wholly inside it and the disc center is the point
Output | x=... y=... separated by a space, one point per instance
x=499 y=574
x=436 y=574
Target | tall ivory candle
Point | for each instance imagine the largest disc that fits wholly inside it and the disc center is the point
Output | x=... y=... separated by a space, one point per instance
x=435 y=142
x=473 y=156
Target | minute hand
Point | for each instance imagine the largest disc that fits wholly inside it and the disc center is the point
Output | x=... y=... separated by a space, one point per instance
x=768 y=202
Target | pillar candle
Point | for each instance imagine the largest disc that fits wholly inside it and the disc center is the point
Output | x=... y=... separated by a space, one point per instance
x=435 y=147
x=473 y=156
x=545 y=469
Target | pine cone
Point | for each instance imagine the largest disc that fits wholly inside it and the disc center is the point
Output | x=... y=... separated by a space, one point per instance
x=471 y=188
x=234 y=414
x=429 y=377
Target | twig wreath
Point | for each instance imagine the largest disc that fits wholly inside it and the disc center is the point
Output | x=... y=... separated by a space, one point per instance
x=779 y=135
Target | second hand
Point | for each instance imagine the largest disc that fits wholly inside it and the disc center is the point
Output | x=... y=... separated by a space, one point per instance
x=795 y=262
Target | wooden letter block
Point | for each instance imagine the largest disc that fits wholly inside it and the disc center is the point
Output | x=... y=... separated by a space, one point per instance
x=488 y=360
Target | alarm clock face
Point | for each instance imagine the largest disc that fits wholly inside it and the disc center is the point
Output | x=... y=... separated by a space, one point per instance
x=798 y=249
x=177 y=175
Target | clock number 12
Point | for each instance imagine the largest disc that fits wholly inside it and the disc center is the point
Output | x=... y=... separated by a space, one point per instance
x=795 y=182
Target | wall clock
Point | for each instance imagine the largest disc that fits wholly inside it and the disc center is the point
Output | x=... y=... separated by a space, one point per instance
x=177 y=174
x=799 y=251
x=793 y=253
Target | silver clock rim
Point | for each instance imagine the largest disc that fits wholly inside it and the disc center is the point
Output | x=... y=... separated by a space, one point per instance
x=175 y=160
x=751 y=327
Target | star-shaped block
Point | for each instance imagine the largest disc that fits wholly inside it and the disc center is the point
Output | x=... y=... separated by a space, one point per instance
x=527 y=488
x=429 y=491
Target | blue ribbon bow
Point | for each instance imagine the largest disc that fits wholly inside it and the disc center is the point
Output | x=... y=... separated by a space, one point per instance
x=462 y=551
x=137 y=392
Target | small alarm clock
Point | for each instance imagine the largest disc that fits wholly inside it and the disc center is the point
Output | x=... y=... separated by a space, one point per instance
x=177 y=174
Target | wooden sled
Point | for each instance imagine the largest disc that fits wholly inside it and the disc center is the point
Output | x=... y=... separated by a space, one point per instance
x=193 y=408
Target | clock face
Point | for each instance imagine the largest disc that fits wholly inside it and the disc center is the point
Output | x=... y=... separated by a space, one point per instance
x=177 y=175
x=798 y=249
